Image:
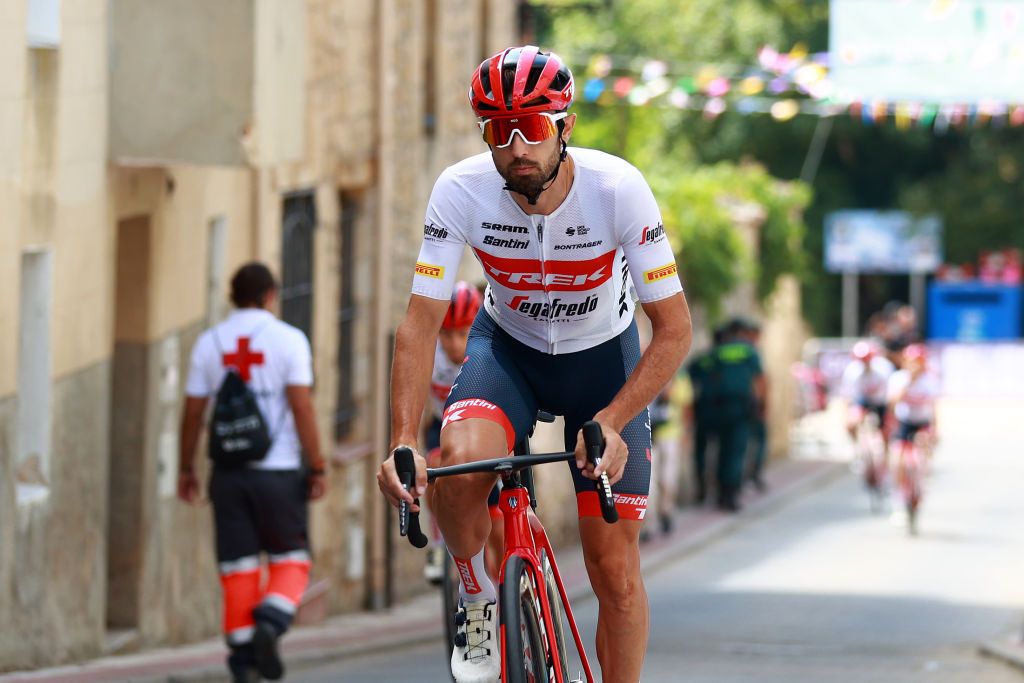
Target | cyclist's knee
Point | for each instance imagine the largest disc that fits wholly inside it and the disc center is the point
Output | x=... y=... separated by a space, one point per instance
x=615 y=574
x=471 y=440
x=468 y=490
x=616 y=583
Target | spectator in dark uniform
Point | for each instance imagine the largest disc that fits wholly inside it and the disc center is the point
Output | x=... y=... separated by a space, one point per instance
x=749 y=331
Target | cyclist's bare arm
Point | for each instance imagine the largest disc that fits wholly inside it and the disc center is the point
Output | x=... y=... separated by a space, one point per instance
x=410 y=381
x=670 y=342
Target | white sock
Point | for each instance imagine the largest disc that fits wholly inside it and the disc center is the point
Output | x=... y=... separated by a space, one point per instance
x=475 y=583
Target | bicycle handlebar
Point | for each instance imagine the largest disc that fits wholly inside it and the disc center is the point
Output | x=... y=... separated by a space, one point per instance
x=405 y=466
x=408 y=521
x=594 y=442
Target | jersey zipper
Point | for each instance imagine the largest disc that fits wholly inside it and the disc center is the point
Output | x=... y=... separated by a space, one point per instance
x=543 y=278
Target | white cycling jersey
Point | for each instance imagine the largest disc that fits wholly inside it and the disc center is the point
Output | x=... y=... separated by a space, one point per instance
x=559 y=282
x=867 y=383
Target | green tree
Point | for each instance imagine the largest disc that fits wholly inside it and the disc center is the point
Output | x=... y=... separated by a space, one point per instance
x=971 y=177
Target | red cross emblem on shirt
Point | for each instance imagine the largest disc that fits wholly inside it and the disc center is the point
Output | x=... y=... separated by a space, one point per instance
x=243 y=359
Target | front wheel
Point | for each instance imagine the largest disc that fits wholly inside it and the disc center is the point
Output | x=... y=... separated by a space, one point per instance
x=449 y=603
x=525 y=657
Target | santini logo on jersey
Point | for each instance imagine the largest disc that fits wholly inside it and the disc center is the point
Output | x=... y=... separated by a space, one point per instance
x=581 y=230
x=579 y=245
x=531 y=275
x=507 y=242
x=432 y=231
x=556 y=310
x=498 y=227
x=659 y=273
x=430 y=270
x=652 y=234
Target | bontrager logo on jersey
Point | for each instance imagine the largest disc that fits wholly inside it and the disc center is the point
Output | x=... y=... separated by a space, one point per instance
x=432 y=231
x=651 y=235
x=498 y=227
x=526 y=275
x=430 y=270
x=555 y=310
x=506 y=242
x=578 y=245
x=660 y=273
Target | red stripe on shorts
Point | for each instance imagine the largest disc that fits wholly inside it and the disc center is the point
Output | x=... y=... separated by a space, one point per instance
x=629 y=505
x=478 y=408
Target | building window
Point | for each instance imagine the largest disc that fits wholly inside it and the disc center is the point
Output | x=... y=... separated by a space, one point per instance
x=43 y=29
x=296 y=295
x=34 y=381
x=347 y=314
x=216 y=287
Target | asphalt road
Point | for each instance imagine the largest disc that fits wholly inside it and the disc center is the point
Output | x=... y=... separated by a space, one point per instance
x=822 y=590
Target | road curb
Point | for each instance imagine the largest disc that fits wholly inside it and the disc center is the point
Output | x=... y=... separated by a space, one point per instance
x=1010 y=651
x=416 y=622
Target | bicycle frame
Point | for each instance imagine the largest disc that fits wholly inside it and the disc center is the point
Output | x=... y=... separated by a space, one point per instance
x=525 y=536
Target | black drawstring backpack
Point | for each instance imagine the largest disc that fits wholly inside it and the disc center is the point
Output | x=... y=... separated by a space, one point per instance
x=238 y=431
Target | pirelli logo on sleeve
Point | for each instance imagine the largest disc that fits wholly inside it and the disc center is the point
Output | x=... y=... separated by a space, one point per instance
x=430 y=270
x=660 y=273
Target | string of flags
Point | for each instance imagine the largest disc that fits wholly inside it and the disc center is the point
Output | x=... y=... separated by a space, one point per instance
x=781 y=85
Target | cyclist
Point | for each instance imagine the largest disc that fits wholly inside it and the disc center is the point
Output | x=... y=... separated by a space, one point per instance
x=448 y=356
x=565 y=236
x=912 y=394
x=864 y=385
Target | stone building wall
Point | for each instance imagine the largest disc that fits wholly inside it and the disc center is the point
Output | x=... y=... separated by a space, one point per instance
x=105 y=554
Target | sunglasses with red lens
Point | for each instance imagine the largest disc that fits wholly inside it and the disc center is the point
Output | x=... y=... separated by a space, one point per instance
x=532 y=128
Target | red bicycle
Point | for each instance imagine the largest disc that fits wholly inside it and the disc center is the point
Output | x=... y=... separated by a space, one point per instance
x=532 y=601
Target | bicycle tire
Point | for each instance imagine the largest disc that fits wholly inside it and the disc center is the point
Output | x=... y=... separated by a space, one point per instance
x=449 y=604
x=526 y=659
x=555 y=601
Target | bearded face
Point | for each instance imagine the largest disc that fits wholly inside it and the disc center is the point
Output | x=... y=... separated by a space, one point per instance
x=528 y=173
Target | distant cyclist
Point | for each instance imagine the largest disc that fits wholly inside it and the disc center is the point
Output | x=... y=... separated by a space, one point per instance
x=912 y=395
x=565 y=238
x=864 y=385
x=448 y=357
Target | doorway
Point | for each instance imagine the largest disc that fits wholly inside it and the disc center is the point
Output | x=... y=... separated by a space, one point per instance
x=128 y=421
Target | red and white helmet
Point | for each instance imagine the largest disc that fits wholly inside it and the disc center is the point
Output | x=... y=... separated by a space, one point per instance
x=916 y=352
x=864 y=350
x=521 y=80
x=466 y=300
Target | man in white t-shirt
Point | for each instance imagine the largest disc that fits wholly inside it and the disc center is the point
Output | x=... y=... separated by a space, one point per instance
x=260 y=507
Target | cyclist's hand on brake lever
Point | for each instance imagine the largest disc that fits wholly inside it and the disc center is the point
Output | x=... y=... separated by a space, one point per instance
x=613 y=461
x=391 y=487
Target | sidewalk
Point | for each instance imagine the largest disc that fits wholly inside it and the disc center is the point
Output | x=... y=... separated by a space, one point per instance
x=419 y=620
x=1009 y=650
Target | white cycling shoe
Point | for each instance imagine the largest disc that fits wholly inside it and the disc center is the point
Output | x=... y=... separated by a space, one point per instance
x=476 y=657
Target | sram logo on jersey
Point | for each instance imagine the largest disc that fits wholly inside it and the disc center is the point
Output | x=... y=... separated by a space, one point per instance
x=498 y=227
x=555 y=310
x=660 y=273
x=435 y=232
x=430 y=270
x=527 y=275
x=506 y=242
x=652 y=234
